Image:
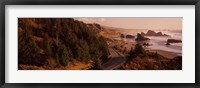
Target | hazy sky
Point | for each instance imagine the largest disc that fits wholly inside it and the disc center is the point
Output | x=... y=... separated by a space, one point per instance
x=138 y=23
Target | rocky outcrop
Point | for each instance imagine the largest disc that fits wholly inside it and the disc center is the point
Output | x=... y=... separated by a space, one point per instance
x=126 y=36
x=142 y=33
x=122 y=35
x=130 y=36
x=146 y=44
x=141 y=38
x=167 y=43
x=173 y=41
x=153 y=33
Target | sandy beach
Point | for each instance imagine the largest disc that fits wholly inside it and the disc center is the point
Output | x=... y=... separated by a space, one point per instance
x=128 y=46
x=166 y=54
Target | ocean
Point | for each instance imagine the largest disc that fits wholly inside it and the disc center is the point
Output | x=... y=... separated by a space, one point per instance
x=159 y=42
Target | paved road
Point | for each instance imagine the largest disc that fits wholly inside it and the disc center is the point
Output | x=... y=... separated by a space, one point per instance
x=117 y=60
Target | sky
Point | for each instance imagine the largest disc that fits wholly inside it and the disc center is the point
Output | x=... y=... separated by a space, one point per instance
x=169 y=23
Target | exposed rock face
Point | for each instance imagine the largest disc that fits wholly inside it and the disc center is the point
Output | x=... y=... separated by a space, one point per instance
x=142 y=33
x=153 y=33
x=173 y=41
x=150 y=33
x=159 y=34
x=130 y=36
x=141 y=38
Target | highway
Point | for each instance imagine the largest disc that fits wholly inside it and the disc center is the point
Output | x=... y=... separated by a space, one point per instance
x=117 y=60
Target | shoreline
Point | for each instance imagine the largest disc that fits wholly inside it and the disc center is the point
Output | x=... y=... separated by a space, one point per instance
x=166 y=54
x=128 y=45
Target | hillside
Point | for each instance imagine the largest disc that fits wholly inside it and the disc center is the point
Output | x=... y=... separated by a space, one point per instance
x=68 y=44
x=58 y=43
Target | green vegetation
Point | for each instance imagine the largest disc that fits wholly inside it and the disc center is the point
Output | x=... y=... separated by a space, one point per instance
x=139 y=50
x=64 y=39
x=28 y=49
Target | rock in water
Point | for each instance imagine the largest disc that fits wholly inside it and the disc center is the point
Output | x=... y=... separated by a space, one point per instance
x=173 y=41
x=142 y=33
x=150 y=33
x=167 y=43
x=130 y=36
x=159 y=34
x=145 y=44
x=153 y=33
x=122 y=35
x=141 y=38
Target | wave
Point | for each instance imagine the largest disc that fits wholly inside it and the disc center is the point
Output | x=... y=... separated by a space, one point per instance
x=159 y=42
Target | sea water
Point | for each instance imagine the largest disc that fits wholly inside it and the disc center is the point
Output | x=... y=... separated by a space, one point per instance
x=159 y=42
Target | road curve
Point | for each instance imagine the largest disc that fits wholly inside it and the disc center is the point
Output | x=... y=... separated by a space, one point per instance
x=117 y=60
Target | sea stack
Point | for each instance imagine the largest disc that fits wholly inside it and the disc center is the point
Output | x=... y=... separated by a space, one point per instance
x=153 y=33
x=173 y=41
x=141 y=38
x=130 y=36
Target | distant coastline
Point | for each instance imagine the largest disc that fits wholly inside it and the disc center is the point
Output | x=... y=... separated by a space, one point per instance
x=68 y=44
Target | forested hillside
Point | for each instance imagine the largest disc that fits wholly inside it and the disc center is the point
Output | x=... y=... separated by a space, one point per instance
x=56 y=42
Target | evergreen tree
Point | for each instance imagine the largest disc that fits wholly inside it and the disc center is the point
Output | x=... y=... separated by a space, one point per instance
x=63 y=39
x=29 y=52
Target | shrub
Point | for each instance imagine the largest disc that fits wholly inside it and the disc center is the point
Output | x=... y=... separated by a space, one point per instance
x=29 y=52
x=64 y=39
